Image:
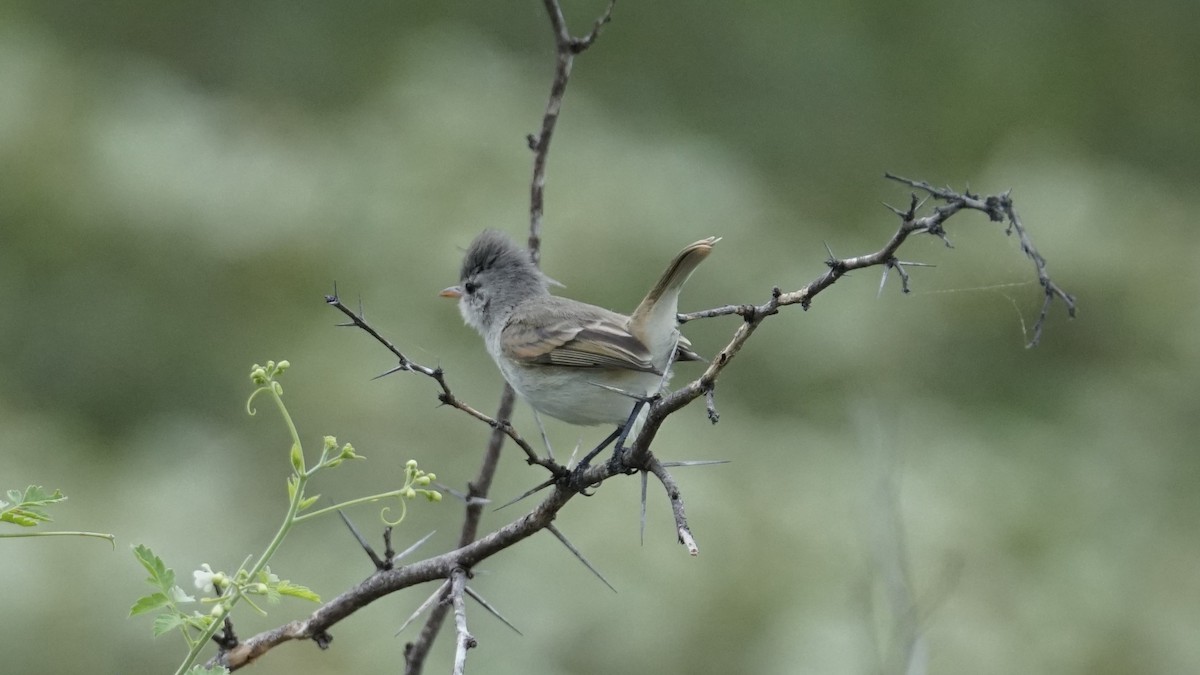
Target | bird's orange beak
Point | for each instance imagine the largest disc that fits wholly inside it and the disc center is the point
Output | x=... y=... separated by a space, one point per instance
x=452 y=292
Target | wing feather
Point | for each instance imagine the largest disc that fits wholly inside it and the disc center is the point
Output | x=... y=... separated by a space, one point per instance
x=583 y=336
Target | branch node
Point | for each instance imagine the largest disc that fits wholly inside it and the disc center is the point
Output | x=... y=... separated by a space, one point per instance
x=895 y=210
x=579 y=45
x=226 y=639
x=935 y=228
x=994 y=208
x=710 y=403
x=894 y=263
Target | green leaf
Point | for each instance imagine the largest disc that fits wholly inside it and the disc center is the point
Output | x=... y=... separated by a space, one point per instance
x=197 y=621
x=149 y=603
x=296 y=591
x=165 y=623
x=307 y=502
x=160 y=575
x=35 y=495
x=18 y=516
x=25 y=509
x=297 y=458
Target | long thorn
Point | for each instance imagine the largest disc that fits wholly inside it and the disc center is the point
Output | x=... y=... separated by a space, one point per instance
x=484 y=603
x=425 y=605
x=571 y=547
x=397 y=369
x=541 y=486
x=414 y=547
x=379 y=564
x=696 y=462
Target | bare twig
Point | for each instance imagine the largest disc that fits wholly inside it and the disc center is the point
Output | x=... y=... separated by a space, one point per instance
x=416 y=651
x=681 y=525
x=710 y=405
x=226 y=638
x=1000 y=208
x=384 y=582
x=566 y=49
x=997 y=208
x=1052 y=289
x=446 y=396
x=464 y=640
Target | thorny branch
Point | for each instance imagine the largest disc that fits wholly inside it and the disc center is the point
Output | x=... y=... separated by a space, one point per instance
x=566 y=48
x=415 y=652
x=500 y=423
x=464 y=640
x=638 y=456
x=999 y=208
x=453 y=567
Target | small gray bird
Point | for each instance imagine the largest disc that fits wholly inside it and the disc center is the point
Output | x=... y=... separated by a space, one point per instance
x=555 y=351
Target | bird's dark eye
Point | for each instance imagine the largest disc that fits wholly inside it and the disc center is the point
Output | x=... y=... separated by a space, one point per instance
x=470 y=287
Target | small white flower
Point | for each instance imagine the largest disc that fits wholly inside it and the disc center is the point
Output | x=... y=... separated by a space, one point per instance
x=178 y=596
x=204 y=578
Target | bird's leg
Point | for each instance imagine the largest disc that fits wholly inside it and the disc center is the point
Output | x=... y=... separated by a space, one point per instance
x=619 y=435
x=627 y=427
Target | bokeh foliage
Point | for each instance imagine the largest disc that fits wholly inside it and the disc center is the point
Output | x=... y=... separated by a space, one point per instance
x=181 y=182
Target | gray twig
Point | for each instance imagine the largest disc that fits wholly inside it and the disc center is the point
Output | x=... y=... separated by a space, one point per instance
x=464 y=640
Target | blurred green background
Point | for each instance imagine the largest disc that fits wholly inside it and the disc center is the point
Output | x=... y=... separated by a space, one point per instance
x=181 y=182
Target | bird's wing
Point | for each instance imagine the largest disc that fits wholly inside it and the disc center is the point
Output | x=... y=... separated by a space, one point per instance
x=582 y=336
